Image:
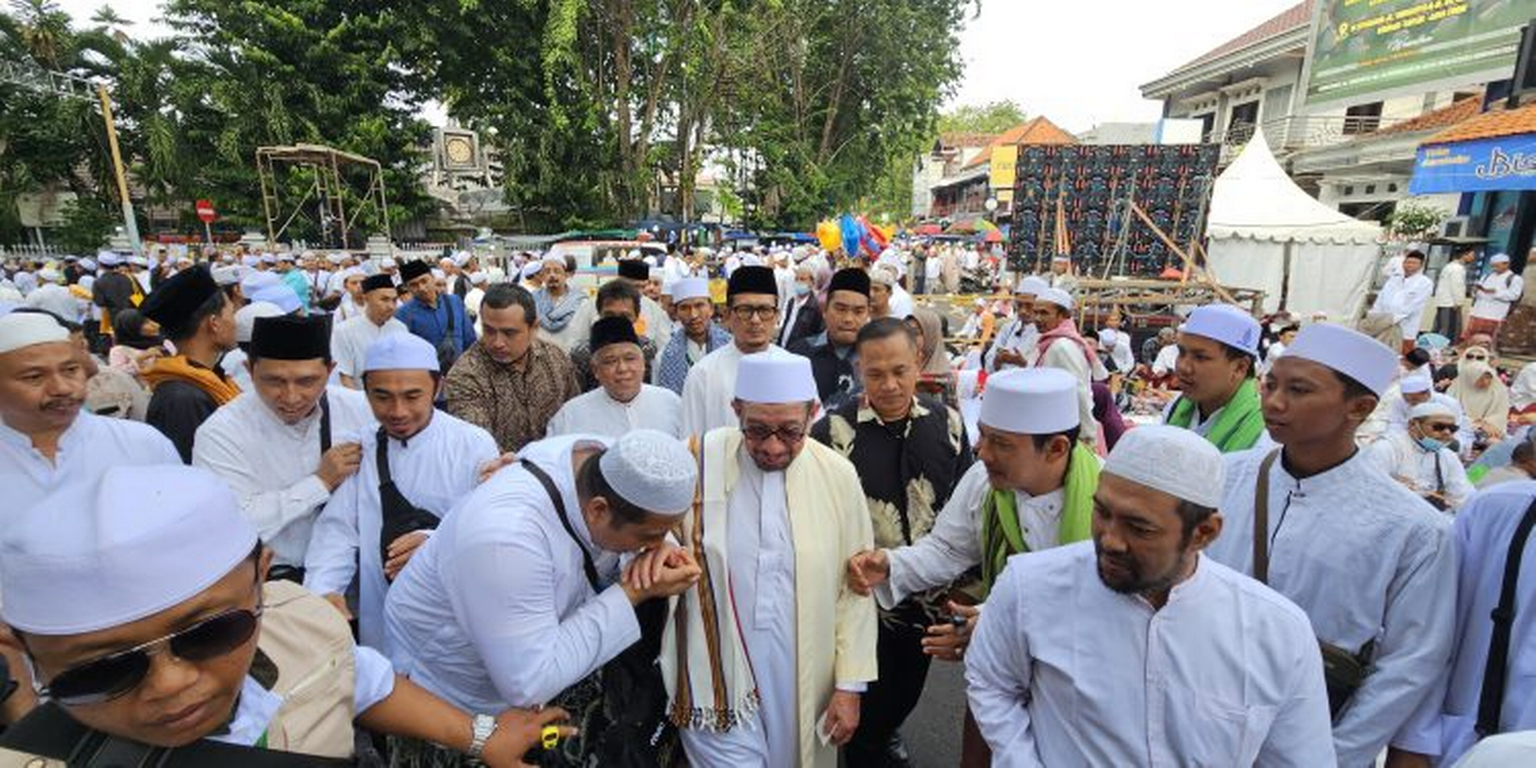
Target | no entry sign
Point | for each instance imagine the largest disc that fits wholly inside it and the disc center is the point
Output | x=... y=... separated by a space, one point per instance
x=205 y=211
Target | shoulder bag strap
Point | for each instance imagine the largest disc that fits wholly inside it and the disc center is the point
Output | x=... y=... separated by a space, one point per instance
x=1490 y=704
x=381 y=458
x=1261 y=519
x=325 y=423
x=565 y=520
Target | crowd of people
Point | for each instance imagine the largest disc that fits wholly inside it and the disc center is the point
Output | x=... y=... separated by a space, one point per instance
x=727 y=509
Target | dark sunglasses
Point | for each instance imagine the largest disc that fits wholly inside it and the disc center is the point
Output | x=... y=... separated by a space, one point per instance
x=108 y=677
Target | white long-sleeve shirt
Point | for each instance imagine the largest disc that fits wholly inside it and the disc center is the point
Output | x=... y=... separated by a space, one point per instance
x=595 y=413
x=1015 y=335
x=433 y=470
x=1367 y=560
x=1483 y=530
x=1399 y=456
x=1505 y=289
x=88 y=447
x=1069 y=357
x=350 y=341
x=495 y=611
x=710 y=388
x=1451 y=285
x=1391 y=415
x=1404 y=298
x=1063 y=671
x=954 y=544
x=271 y=466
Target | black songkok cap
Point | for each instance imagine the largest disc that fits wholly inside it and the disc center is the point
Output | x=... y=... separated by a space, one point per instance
x=287 y=337
x=375 y=282
x=174 y=302
x=411 y=270
x=634 y=269
x=612 y=330
x=850 y=279
x=753 y=280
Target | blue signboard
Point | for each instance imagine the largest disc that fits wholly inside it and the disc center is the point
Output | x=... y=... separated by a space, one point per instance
x=1486 y=165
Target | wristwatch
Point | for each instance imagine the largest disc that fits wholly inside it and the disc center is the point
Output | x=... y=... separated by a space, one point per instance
x=484 y=727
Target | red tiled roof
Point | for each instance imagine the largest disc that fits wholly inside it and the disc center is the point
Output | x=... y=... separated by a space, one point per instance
x=1036 y=131
x=1299 y=15
x=966 y=139
x=1490 y=125
x=1444 y=117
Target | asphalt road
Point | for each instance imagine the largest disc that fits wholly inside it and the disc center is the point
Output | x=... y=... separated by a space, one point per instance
x=932 y=732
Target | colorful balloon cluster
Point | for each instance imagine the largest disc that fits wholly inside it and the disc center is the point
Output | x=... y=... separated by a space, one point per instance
x=854 y=235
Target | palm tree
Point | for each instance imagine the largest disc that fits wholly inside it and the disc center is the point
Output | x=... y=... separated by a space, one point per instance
x=44 y=30
x=108 y=21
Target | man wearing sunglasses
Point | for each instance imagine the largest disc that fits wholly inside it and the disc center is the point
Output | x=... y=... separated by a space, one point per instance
x=776 y=518
x=752 y=317
x=186 y=658
x=1418 y=456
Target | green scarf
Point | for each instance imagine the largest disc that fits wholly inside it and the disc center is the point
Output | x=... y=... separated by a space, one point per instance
x=1001 y=534
x=1239 y=424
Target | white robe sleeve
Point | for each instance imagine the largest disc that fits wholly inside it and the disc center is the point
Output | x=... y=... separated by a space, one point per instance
x=696 y=401
x=374 y=681
x=950 y=548
x=331 y=561
x=1300 y=735
x=270 y=511
x=997 y=679
x=1457 y=487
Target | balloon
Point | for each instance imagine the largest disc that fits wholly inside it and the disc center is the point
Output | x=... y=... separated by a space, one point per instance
x=828 y=235
x=853 y=234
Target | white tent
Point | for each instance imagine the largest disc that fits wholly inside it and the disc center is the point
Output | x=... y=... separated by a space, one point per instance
x=1268 y=234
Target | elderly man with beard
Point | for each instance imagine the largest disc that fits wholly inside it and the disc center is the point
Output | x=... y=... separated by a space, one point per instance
x=1137 y=649
x=622 y=400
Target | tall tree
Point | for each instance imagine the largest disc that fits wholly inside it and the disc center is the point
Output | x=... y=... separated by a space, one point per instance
x=992 y=117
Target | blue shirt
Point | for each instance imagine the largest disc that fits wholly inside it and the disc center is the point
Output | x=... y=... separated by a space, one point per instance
x=432 y=323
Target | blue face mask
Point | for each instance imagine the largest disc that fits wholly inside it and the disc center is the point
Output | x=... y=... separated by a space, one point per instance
x=1430 y=444
x=802 y=289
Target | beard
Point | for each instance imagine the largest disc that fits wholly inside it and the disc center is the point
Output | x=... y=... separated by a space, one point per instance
x=1128 y=576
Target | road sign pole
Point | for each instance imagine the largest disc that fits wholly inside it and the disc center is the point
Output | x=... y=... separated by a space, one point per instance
x=208 y=230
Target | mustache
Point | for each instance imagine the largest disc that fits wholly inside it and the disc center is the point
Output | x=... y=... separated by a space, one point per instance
x=59 y=403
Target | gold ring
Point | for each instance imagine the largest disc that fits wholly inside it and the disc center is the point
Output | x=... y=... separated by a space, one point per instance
x=550 y=736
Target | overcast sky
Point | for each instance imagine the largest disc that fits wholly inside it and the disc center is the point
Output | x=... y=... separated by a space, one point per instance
x=1078 y=62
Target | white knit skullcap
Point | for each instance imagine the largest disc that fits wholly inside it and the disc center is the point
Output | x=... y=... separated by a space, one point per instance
x=690 y=288
x=1430 y=408
x=1178 y=462
x=652 y=470
x=1347 y=351
x=1055 y=296
x=24 y=329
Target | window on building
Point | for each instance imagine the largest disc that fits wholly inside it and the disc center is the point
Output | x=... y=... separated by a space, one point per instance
x=1244 y=117
x=1277 y=104
x=1362 y=118
x=1207 y=124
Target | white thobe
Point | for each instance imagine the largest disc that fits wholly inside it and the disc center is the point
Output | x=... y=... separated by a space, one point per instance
x=1506 y=290
x=658 y=327
x=233 y=365
x=346 y=310
x=901 y=303
x=88 y=448
x=596 y=413
x=1119 y=344
x=351 y=339
x=271 y=465
x=1367 y=560
x=1016 y=335
x=1451 y=287
x=1391 y=415
x=495 y=610
x=1483 y=530
x=1166 y=361
x=1063 y=671
x=1404 y=298
x=762 y=579
x=433 y=470
x=1399 y=456
x=954 y=545
x=710 y=388
x=1069 y=357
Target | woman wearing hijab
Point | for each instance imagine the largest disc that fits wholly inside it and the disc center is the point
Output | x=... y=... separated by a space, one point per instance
x=1483 y=397
x=936 y=377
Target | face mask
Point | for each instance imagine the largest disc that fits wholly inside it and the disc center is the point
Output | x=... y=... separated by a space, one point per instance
x=1430 y=444
x=802 y=289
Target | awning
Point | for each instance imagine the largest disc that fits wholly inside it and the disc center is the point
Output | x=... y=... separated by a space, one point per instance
x=1485 y=165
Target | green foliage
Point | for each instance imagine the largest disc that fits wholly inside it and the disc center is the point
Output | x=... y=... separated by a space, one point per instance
x=87 y=226
x=1413 y=221
x=994 y=117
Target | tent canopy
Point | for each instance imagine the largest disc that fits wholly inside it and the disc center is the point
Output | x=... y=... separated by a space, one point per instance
x=1255 y=198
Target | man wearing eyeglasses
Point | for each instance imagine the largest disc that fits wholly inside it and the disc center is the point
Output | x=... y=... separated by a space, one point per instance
x=622 y=400
x=751 y=315
x=767 y=658
x=1418 y=456
x=186 y=658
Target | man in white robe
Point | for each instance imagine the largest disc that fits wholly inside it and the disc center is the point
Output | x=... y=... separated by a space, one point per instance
x=433 y=459
x=1016 y=340
x=1138 y=650
x=777 y=517
x=1445 y=726
x=1493 y=297
x=623 y=401
x=751 y=316
x=1061 y=346
x=351 y=338
x=654 y=322
x=1404 y=296
x=1061 y=277
x=288 y=444
x=1416 y=456
x=1378 y=582
x=1411 y=390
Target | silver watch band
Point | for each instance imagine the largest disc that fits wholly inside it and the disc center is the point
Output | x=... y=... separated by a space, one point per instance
x=484 y=727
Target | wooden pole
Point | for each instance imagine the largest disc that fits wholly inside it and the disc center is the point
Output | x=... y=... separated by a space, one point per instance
x=1189 y=264
x=130 y=225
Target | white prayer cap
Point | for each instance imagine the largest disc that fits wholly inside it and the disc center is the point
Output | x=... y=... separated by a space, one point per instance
x=776 y=377
x=666 y=287
x=268 y=258
x=1226 y=324
x=245 y=318
x=461 y=258
x=255 y=280
x=1347 y=351
x=24 y=329
x=650 y=469
x=690 y=288
x=1414 y=384
x=1499 y=258
x=151 y=538
x=138 y=261
x=554 y=258
x=438 y=274
x=250 y=260
x=388 y=263
x=400 y=352
x=335 y=258
x=281 y=295
x=1430 y=407
x=1030 y=401
x=88 y=265
x=1055 y=296
x=478 y=278
x=285 y=256
x=226 y=276
x=109 y=259
x=1178 y=462
x=48 y=275
x=530 y=269
x=1062 y=258
x=656 y=273
x=1031 y=285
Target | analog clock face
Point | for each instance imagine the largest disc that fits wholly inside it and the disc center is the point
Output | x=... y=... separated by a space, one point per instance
x=460 y=151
